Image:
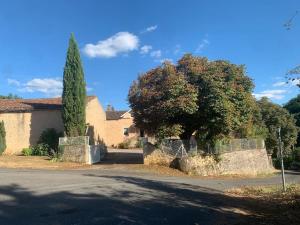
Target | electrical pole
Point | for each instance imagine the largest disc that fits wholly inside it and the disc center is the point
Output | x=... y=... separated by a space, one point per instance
x=281 y=160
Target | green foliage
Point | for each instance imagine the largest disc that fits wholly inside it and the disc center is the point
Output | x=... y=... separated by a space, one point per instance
x=161 y=97
x=293 y=106
x=10 y=96
x=74 y=93
x=36 y=150
x=274 y=116
x=124 y=145
x=213 y=98
x=27 y=151
x=168 y=131
x=287 y=162
x=2 y=138
x=50 y=137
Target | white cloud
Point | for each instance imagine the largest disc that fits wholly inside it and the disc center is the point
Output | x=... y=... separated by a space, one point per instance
x=166 y=60
x=122 y=42
x=145 y=49
x=150 y=29
x=294 y=82
x=289 y=83
x=51 y=87
x=202 y=45
x=156 y=54
x=13 y=82
x=279 y=84
x=48 y=86
x=272 y=94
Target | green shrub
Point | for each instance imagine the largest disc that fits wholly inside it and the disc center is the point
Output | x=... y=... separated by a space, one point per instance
x=50 y=137
x=2 y=138
x=36 y=150
x=297 y=154
x=287 y=162
x=27 y=151
x=124 y=145
x=40 y=149
x=139 y=144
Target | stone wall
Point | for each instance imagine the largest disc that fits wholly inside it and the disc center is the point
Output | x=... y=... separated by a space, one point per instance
x=75 y=153
x=246 y=162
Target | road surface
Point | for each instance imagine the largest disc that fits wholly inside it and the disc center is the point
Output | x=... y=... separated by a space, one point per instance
x=95 y=196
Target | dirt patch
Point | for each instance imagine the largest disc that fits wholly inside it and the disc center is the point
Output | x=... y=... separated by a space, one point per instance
x=36 y=162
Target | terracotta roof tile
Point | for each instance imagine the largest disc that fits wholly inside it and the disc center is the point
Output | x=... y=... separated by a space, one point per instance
x=27 y=105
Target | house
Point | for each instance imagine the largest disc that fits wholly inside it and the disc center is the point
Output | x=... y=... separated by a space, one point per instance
x=120 y=128
x=26 y=119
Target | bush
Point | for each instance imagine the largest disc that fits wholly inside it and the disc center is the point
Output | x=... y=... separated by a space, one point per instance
x=40 y=149
x=124 y=145
x=2 y=138
x=50 y=137
x=37 y=150
x=287 y=162
x=27 y=151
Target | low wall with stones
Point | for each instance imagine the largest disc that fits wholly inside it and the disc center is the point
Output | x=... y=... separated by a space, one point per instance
x=75 y=153
x=246 y=162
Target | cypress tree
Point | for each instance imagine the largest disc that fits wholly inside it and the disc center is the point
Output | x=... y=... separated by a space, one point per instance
x=74 y=92
x=2 y=138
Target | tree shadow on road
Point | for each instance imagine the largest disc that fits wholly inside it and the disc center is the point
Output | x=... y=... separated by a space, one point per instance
x=130 y=200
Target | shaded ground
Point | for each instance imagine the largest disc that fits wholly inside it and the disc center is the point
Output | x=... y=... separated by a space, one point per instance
x=123 y=156
x=123 y=197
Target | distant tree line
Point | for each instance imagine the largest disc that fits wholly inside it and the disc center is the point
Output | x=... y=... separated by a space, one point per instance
x=10 y=96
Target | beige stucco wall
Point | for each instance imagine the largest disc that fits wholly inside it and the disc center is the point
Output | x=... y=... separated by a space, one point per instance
x=95 y=116
x=115 y=131
x=24 y=129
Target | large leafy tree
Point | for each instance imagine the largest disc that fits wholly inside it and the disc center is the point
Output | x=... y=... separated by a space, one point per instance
x=211 y=97
x=293 y=106
x=74 y=92
x=275 y=116
x=160 y=100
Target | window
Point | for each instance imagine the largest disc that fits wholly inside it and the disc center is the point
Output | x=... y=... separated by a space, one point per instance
x=126 y=131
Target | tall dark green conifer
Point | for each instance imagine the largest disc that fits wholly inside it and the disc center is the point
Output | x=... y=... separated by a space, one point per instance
x=2 y=138
x=74 y=92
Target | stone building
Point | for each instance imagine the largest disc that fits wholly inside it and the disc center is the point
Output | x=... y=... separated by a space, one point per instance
x=26 y=119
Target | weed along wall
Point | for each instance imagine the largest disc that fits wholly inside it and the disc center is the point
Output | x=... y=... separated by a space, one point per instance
x=241 y=162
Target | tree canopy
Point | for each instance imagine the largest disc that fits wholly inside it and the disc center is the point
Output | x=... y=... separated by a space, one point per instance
x=74 y=92
x=293 y=106
x=275 y=116
x=213 y=98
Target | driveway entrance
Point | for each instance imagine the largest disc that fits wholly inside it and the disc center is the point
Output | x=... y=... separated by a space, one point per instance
x=123 y=156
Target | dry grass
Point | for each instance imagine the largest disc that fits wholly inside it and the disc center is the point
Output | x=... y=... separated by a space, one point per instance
x=272 y=205
x=36 y=162
x=42 y=162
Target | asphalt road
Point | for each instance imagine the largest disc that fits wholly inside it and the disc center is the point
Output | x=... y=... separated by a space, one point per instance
x=77 y=197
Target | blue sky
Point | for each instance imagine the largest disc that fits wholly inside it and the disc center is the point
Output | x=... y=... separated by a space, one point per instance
x=120 y=39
